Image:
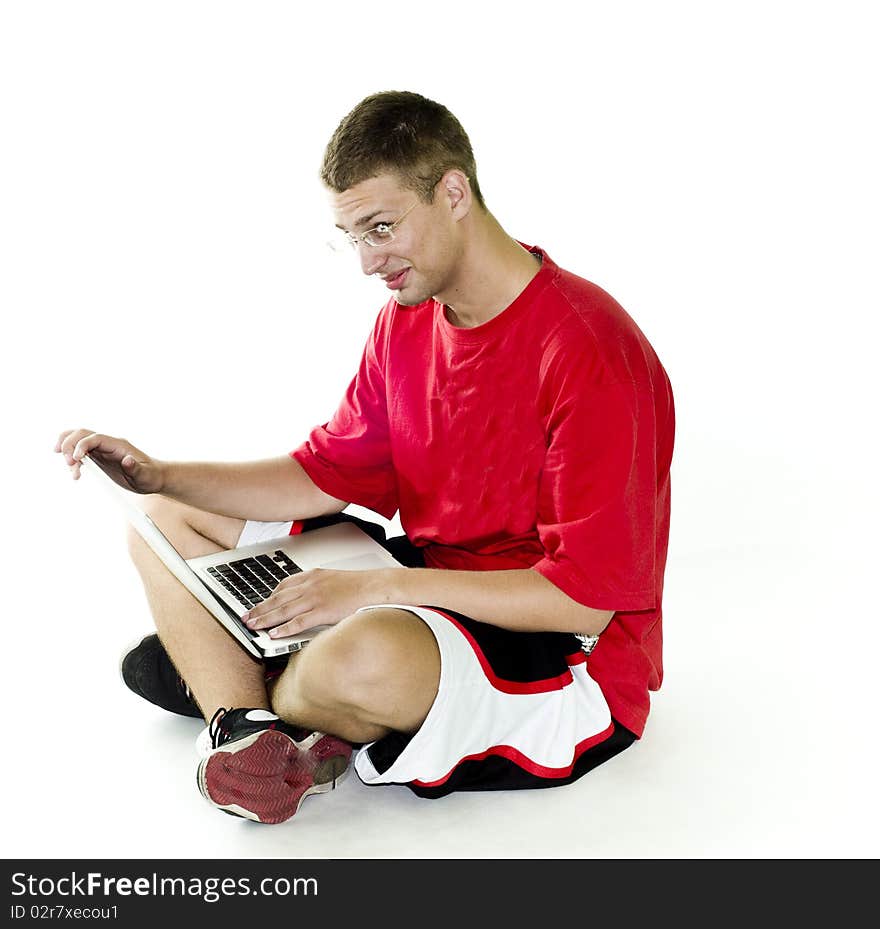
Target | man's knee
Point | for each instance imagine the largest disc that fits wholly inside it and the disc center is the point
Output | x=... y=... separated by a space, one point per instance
x=166 y=514
x=192 y=532
x=382 y=665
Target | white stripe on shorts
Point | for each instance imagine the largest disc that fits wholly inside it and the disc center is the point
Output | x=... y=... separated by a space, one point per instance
x=471 y=717
x=255 y=531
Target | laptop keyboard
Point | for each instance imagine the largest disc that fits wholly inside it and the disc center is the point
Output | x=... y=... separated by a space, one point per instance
x=251 y=580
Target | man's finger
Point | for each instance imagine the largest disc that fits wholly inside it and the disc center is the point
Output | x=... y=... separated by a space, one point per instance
x=284 y=592
x=267 y=614
x=68 y=443
x=300 y=624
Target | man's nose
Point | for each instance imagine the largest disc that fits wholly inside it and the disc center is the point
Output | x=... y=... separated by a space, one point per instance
x=371 y=258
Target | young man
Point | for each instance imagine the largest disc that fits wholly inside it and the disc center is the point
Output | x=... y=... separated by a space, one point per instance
x=522 y=426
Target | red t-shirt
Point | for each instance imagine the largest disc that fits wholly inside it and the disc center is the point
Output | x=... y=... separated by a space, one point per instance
x=541 y=439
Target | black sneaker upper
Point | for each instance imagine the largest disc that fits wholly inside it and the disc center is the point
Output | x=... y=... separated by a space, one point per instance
x=230 y=725
x=148 y=671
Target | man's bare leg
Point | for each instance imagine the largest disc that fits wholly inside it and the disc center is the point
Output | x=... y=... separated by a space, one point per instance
x=215 y=667
x=372 y=673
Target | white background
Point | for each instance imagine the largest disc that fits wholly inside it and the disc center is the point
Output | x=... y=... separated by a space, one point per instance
x=165 y=277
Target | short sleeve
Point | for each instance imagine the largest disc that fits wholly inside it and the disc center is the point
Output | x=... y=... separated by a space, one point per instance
x=597 y=504
x=349 y=457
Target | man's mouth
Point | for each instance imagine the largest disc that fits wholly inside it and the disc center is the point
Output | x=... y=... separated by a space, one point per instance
x=395 y=282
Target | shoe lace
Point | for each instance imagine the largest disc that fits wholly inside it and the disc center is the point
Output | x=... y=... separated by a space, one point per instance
x=215 y=728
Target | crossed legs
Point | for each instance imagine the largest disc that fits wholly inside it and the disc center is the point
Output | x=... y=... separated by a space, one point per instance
x=373 y=672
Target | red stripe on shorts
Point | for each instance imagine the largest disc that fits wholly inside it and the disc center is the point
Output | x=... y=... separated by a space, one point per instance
x=499 y=683
x=296 y=528
x=524 y=762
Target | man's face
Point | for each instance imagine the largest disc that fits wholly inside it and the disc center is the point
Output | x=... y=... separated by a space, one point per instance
x=419 y=262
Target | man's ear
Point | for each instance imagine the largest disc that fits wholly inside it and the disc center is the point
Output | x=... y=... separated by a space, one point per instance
x=455 y=188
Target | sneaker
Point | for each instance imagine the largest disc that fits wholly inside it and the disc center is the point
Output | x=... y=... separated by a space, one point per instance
x=148 y=671
x=261 y=768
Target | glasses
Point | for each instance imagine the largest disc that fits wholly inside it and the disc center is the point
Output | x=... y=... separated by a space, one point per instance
x=379 y=235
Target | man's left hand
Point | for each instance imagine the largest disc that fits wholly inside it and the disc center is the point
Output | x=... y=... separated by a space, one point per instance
x=316 y=598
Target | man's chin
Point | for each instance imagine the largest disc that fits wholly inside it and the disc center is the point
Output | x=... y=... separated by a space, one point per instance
x=408 y=297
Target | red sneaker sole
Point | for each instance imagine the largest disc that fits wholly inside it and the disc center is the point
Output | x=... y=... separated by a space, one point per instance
x=265 y=777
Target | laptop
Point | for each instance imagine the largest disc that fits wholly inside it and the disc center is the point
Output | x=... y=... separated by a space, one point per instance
x=229 y=583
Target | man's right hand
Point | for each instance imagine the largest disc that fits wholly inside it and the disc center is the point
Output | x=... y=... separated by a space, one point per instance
x=128 y=466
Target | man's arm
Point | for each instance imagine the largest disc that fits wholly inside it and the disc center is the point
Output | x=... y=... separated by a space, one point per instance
x=272 y=489
x=522 y=600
